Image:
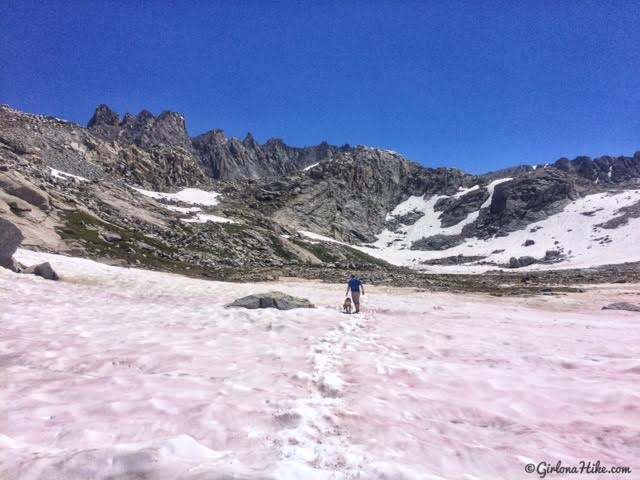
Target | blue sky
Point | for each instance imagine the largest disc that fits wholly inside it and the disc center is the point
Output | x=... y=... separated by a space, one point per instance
x=474 y=85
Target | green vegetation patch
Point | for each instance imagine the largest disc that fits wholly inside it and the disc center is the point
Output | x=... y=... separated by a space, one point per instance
x=134 y=247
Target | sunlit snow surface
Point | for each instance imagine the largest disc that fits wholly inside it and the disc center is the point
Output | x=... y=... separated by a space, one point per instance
x=187 y=195
x=204 y=218
x=192 y=196
x=65 y=176
x=128 y=374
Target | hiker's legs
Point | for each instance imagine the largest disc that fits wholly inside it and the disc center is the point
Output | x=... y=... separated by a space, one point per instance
x=355 y=296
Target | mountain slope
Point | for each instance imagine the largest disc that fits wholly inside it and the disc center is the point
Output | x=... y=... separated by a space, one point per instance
x=70 y=188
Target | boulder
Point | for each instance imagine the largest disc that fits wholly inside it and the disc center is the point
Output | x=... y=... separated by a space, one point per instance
x=111 y=237
x=437 y=242
x=278 y=300
x=10 y=239
x=43 y=270
x=630 y=307
x=528 y=242
x=521 y=261
x=553 y=256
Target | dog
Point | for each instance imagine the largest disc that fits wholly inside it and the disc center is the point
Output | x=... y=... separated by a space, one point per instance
x=346 y=307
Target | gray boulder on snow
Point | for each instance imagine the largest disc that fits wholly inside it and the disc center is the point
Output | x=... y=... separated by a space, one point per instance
x=521 y=261
x=278 y=300
x=43 y=270
x=630 y=307
x=10 y=239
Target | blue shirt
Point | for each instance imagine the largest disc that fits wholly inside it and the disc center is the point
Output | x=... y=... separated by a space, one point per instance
x=354 y=284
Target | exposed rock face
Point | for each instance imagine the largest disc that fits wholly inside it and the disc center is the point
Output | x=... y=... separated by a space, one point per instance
x=523 y=200
x=220 y=157
x=105 y=123
x=159 y=167
x=225 y=158
x=143 y=130
x=349 y=198
x=278 y=300
x=10 y=239
x=92 y=154
x=454 y=210
x=603 y=169
x=17 y=186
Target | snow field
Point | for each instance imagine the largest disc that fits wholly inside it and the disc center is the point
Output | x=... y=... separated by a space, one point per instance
x=126 y=373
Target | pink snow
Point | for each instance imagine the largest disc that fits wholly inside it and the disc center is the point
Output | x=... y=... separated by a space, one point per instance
x=125 y=373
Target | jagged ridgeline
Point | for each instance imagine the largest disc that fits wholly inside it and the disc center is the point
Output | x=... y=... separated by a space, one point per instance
x=139 y=190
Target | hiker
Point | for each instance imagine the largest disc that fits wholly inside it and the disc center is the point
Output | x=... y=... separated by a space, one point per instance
x=355 y=287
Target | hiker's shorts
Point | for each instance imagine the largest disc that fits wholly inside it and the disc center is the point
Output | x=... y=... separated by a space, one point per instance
x=355 y=296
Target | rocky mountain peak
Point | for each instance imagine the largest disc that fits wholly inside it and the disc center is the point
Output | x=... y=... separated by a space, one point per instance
x=104 y=123
x=249 y=141
x=144 y=130
x=602 y=170
x=103 y=115
x=275 y=143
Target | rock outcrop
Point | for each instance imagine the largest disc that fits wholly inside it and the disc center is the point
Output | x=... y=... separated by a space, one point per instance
x=607 y=170
x=349 y=198
x=144 y=130
x=529 y=198
x=278 y=300
x=231 y=159
x=10 y=239
x=17 y=186
x=454 y=210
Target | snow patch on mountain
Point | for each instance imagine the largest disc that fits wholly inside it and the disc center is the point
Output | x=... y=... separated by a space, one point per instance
x=193 y=196
x=178 y=209
x=205 y=217
x=320 y=238
x=188 y=195
x=59 y=174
